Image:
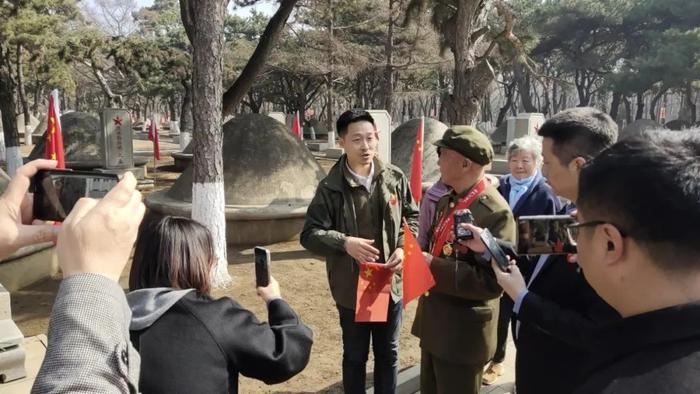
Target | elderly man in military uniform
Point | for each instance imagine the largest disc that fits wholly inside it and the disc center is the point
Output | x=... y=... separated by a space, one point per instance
x=456 y=320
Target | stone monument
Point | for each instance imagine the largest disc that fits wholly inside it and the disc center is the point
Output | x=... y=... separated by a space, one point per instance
x=279 y=116
x=118 y=139
x=522 y=125
x=12 y=353
x=382 y=120
x=83 y=143
x=269 y=176
x=403 y=141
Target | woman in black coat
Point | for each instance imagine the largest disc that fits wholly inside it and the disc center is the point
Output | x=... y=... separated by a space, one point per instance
x=190 y=342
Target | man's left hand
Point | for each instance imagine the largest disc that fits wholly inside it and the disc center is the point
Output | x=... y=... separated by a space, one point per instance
x=512 y=282
x=395 y=262
x=17 y=229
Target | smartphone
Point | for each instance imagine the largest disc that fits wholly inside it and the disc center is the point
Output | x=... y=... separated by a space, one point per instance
x=545 y=234
x=463 y=216
x=262 y=267
x=57 y=191
x=496 y=252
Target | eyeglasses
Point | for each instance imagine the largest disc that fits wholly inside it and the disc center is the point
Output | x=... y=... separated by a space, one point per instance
x=574 y=228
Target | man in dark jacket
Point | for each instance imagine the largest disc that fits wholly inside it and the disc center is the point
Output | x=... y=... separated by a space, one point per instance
x=639 y=223
x=355 y=217
x=556 y=311
x=456 y=321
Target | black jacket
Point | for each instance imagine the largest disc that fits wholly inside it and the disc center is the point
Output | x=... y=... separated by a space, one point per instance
x=656 y=353
x=556 y=326
x=195 y=344
x=558 y=320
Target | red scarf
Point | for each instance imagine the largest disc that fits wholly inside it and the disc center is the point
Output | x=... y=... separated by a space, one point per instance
x=446 y=223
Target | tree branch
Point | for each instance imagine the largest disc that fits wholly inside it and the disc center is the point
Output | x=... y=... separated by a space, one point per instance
x=256 y=62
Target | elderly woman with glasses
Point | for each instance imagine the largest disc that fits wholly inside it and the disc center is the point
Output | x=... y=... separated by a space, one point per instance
x=527 y=193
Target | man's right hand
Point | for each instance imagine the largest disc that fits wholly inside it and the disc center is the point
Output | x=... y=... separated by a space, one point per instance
x=361 y=249
x=270 y=292
x=97 y=236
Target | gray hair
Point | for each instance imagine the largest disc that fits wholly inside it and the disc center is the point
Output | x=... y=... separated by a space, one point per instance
x=528 y=144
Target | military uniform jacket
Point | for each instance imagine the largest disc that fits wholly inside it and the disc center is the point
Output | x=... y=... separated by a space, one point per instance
x=331 y=218
x=457 y=320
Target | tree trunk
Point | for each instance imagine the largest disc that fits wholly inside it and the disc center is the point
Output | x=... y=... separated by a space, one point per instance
x=524 y=86
x=243 y=83
x=204 y=24
x=509 y=93
x=628 y=109
x=471 y=75
x=329 y=106
x=640 y=106
x=692 y=107
x=186 y=122
x=582 y=89
x=20 y=90
x=9 y=115
x=655 y=102
x=389 y=66
x=615 y=105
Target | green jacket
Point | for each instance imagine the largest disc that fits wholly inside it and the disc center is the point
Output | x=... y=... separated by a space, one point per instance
x=457 y=320
x=330 y=218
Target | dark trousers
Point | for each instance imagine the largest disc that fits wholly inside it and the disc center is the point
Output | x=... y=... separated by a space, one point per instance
x=438 y=376
x=505 y=314
x=385 y=345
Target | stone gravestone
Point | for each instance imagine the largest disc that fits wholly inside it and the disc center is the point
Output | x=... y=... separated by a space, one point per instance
x=382 y=120
x=522 y=125
x=279 y=116
x=12 y=355
x=118 y=139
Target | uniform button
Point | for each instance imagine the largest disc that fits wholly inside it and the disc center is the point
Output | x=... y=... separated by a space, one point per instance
x=125 y=357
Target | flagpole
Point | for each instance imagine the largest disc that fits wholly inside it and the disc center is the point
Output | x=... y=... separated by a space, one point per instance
x=155 y=160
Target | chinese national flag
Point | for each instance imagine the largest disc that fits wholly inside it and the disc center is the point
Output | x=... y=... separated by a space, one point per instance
x=417 y=164
x=153 y=136
x=54 y=135
x=373 y=293
x=296 y=126
x=417 y=278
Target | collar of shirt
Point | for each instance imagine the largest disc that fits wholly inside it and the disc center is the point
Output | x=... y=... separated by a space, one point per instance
x=365 y=181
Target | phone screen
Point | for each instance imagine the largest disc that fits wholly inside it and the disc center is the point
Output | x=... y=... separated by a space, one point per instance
x=57 y=191
x=262 y=267
x=545 y=235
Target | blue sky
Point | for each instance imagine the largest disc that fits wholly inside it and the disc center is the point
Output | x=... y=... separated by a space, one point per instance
x=265 y=6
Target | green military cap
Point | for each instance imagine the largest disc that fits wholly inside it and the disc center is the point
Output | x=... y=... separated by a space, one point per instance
x=469 y=142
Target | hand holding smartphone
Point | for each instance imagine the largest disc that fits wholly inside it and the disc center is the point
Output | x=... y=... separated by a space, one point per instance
x=57 y=191
x=496 y=252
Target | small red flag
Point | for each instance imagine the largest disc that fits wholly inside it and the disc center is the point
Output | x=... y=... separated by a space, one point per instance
x=153 y=136
x=373 y=293
x=417 y=278
x=296 y=126
x=54 y=135
x=417 y=164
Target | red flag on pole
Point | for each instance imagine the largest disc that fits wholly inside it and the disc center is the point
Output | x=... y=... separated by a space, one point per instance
x=373 y=293
x=153 y=136
x=54 y=134
x=296 y=126
x=417 y=278
x=417 y=164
